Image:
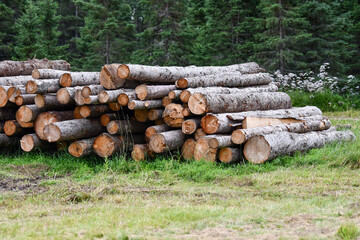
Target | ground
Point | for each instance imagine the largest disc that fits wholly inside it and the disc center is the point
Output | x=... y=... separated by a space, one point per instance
x=307 y=196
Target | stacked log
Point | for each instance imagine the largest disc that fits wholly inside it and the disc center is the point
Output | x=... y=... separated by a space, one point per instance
x=227 y=114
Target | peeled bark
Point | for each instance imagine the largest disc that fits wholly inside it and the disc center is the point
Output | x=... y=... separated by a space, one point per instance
x=204 y=103
x=79 y=79
x=145 y=92
x=111 y=95
x=230 y=155
x=199 y=133
x=186 y=94
x=188 y=148
x=141 y=115
x=255 y=122
x=66 y=95
x=165 y=101
x=172 y=74
x=82 y=147
x=172 y=115
x=86 y=91
x=220 y=141
x=25 y=99
x=16 y=68
x=216 y=123
x=43 y=86
x=189 y=126
x=122 y=127
x=73 y=129
x=94 y=110
x=140 y=152
x=29 y=142
x=48 y=101
x=174 y=95
x=108 y=117
x=155 y=114
x=259 y=149
x=28 y=113
x=166 y=141
x=140 y=105
x=124 y=98
x=202 y=150
x=47 y=118
x=234 y=79
x=47 y=73
x=240 y=136
x=7 y=114
x=150 y=131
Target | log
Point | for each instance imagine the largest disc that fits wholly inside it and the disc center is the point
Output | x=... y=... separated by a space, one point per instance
x=187 y=149
x=155 y=114
x=25 y=99
x=172 y=115
x=48 y=101
x=203 y=103
x=3 y=96
x=7 y=114
x=202 y=150
x=14 y=92
x=220 y=141
x=77 y=113
x=12 y=128
x=186 y=112
x=217 y=123
x=16 y=68
x=73 y=129
x=190 y=125
x=234 y=79
x=172 y=74
x=145 y=92
x=140 y=152
x=66 y=95
x=141 y=115
x=141 y=105
x=47 y=118
x=93 y=99
x=111 y=95
x=166 y=141
x=240 y=136
x=230 y=155
x=114 y=106
x=94 y=110
x=107 y=117
x=91 y=90
x=124 y=98
x=29 y=142
x=150 y=131
x=79 y=79
x=62 y=146
x=15 y=80
x=82 y=147
x=255 y=122
x=199 y=133
x=6 y=141
x=79 y=98
x=259 y=149
x=26 y=125
x=186 y=94
x=174 y=95
x=109 y=78
x=2 y=124
x=165 y=101
x=122 y=127
x=28 y=113
x=43 y=86
x=47 y=73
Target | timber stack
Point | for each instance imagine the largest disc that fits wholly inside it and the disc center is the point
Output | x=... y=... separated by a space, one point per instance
x=225 y=113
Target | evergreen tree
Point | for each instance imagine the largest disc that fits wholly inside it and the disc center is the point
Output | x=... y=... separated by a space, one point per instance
x=6 y=31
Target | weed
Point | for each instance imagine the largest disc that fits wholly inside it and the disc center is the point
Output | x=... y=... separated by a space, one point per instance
x=348 y=232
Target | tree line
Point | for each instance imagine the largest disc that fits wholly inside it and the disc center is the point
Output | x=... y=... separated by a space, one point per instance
x=286 y=35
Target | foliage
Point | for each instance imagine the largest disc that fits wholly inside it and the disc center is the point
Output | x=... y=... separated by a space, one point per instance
x=348 y=232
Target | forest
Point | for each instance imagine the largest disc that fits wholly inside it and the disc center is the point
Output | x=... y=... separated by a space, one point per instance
x=291 y=36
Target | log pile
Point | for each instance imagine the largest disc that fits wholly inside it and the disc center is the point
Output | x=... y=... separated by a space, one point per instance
x=227 y=113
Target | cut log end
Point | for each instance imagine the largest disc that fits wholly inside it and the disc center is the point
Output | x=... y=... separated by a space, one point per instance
x=182 y=83
x=114 y=106
x=188 y=127
x=76 y=149
x=257 y=150
x=66 y=80
x=24 y=114
x=103 y=97
x=123 y=71
x=140 y=152
x=19 y=100
x=104 y=145
x=210 y=124
x=86 y=91
x=197 y=104
x=141 y=115
x=238 y=137
x=35 y=74
x=63 y=96
x=188 y=148
x=27 y=143
x=112 y=127
x=52 y=133
x=31 y=87
x=165 y=101
x=141 y=91
x=11 y=127
x=230 y=155
x=123 y=99
x=85 y=111
x=3 y=97
x=158 y=143
x=40 y=100
x=184 y=96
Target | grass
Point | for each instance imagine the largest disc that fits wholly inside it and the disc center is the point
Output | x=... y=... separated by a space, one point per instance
x=308 y=196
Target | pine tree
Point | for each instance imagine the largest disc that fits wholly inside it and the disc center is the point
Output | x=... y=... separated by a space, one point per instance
x=6 y=32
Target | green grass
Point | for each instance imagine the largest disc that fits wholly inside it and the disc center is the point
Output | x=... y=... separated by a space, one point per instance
x=348 y=232
x=307 y=196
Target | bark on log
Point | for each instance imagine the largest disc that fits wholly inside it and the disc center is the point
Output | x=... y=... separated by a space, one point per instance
x=240 y=136
x=66 y=95
x=6 y=141
x=145 y=92
x=29 y=142
x=94 y=110
x=166 y=141
x=172 y=74
x=141 y=115
x=12 y=128
x=79 y=79
x=190 y=125
x=47 y=118
x=174 y=95
x=7 y=114
x=230 y=155
x=111 y=95
x=140 y=152
x=108 y=117
x=172 y=115
x=122 y=127
x=91 y=90
x=225 y=80
x=15 y=80
x=259 y=149
x=73 y=129
x=25 y=99
x=203 y=103
x=199 y=133
x=155 y=114
x=220 y=141
x=186 y=94
x=140 y=105
x=203 y=151
x=92 y=100
x=48 y=101
x=187 y=149
x=82 y=147
x=217 y=123
x=165 y=101
x=16 y=68
x=43 y=86
x=47 y=73
x=28 y=113
x=124 y=98
x=150 y=131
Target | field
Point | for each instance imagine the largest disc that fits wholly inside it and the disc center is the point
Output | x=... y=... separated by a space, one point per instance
x=307 y=196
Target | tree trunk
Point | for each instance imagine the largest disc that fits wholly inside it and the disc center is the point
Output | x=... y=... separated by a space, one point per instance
x=259 y=149
x=29 y=142
x=7 y=114
x=111 y=95
x=189 y=126
x=230 y=155
x=145 y=92
x=199 y=133
x=172 y=74
x=140 y=105
x=107 y=117
x=43 y=86
x=28 y=113
x=140 y=152
x=220 y=141
x=73 y=129
x=86 y=91
x=225 y=80
x=188 y=148
x=46 y=118
x=13 y=128
x=174 y=95
x=166 y=141
x=186 y=94
x=150 y=131
x=203 y=103
x=15 y=80
x=202 y=150
x=25 y=99
x=16 y=68
x=122 y=127
x=79 y=79
x=47 y=73
x=67 y=95
x=172 y=115
x=48 y=101
x=82 y=147
x=124 y=98
x=216 y=123
x=240 y=136
x=155 y=114
x=94 y=110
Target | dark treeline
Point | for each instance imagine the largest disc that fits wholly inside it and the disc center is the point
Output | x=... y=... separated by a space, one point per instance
x=292 y=36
